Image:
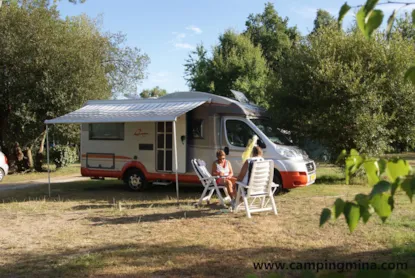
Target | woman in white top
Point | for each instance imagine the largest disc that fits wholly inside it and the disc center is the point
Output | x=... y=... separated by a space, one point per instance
x=223 y=168
x=256 y=156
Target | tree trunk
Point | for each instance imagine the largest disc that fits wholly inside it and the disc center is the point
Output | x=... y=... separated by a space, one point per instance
x=4 y=115
x=40 y=156
x=18 y=154
x=29 y=157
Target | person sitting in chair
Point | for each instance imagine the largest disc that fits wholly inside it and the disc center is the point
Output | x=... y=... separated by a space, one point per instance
x=223 y=168
x=256 y=156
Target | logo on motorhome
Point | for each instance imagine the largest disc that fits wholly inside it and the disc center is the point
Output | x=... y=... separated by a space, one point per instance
x=139 y=132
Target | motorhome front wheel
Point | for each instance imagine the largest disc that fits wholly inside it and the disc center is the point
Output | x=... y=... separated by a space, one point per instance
x=135 y=180
x=278 y=180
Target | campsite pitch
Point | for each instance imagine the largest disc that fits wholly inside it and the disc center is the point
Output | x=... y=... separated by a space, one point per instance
x=96 y=228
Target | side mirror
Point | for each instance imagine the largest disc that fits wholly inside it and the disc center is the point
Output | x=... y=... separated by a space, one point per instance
x=226 y=150
x=261 y=144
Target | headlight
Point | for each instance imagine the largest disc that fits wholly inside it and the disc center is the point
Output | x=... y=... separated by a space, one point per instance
x=304 y=153
x=286 y=152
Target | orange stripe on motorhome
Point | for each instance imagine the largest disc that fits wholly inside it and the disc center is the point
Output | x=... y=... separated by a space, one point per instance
x=105 y=156
x=149 y=176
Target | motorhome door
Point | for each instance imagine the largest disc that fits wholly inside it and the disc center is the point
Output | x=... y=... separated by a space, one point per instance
x=165 y=147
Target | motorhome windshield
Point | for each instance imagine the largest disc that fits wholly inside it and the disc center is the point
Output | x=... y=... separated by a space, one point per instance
x=273 y=134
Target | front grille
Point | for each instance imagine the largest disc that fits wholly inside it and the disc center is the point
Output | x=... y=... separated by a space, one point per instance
x=310 y=167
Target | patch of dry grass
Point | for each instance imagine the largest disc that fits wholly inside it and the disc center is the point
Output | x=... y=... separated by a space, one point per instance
x=23 y=177
x=96 y=228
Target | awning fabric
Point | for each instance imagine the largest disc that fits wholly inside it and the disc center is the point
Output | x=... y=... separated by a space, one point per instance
x=120 y=111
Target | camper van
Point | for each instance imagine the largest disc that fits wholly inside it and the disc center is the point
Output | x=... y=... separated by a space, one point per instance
x=136 y=140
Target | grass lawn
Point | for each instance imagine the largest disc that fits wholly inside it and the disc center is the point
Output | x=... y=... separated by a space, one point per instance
x=22 y=177
x=96 y=228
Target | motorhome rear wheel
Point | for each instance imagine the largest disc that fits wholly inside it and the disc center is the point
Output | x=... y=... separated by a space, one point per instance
x=135 y=180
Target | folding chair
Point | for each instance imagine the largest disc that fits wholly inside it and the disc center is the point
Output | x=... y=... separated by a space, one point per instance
x=209 y=183
x=258 y=194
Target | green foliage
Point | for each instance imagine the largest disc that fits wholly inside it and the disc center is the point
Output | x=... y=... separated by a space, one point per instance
x=271 y=32
x=368 y=20
x=404 y=26
x=244 y=62
x=63 y=155
x=325 y=216
x=155 y=92
x=50 y=66
x=235 y=64
x=238 y=64
x=390 y=24
x=198 y=70
x=323 y=19
x=345 y=91
x=386 y=177
x=343 y=11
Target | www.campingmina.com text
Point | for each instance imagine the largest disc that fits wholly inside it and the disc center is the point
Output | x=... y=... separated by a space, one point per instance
x=328 y=265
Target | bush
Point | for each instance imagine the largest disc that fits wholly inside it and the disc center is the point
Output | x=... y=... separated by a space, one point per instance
x=63 y=155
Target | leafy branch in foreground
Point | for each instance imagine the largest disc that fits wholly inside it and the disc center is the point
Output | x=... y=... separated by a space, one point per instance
x=368 y=20
x=386 y=177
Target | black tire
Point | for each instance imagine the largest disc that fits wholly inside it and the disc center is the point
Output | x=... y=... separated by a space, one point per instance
x=2 y=174
x=278 y=180
x=135 y=180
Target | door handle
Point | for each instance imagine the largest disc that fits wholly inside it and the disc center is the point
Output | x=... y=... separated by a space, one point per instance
x=226 y=150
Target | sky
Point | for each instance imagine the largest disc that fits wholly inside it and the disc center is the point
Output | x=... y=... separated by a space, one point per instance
x=168 y=30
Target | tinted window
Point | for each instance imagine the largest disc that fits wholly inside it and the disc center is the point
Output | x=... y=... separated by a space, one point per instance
x=107 y=131
x=271 y=132
x=197 y=129
x=239 y=133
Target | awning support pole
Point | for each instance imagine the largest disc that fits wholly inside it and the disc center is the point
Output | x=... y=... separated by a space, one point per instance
x=175 y=160
x=47 y=154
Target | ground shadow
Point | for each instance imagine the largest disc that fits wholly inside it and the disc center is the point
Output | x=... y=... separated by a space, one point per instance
x=153 y=217
x=327 y=179
x=181 y=260
x=98 y=191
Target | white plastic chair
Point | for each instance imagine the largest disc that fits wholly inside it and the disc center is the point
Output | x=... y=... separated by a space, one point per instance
x=258 y=194
x=209 y=183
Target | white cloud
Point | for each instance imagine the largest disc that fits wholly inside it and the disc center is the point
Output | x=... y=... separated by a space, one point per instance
x=184 y=45
x=179 y=36
x=178 y=41
x=195 y=29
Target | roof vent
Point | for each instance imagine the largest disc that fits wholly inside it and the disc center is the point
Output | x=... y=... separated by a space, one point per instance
x=239 y=96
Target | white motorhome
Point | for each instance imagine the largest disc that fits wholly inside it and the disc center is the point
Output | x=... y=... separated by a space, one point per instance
x=135 y=140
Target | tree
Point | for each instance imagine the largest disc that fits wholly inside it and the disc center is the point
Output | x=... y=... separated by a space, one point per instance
x=324 y=19
x=269 y=31
x=198 y=72
x=50 y=66
x=405 y=27
x=46 y=2
x=238 y=64
x=235 y=64
x=125 y=66
x=346 y=92
x=155 y=92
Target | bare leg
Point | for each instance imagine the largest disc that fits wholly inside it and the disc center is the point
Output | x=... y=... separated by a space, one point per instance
x=230 y=188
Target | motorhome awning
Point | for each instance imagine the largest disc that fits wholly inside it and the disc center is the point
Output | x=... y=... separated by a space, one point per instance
x=121 y=111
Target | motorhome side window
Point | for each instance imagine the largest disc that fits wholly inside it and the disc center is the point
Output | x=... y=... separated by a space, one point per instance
x=197 y=129
x=239 y=133
x=106 y=131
